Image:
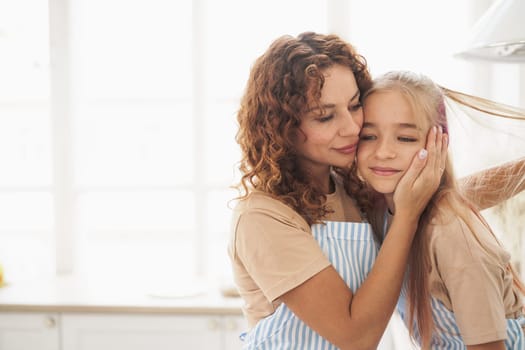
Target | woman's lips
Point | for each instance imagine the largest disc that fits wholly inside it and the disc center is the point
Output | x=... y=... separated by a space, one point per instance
x=347 y=149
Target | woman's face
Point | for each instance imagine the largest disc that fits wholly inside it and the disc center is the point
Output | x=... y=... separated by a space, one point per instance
x=330 y=139
x=389 y=140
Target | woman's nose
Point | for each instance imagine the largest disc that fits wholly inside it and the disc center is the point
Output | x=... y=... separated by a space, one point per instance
x=351 y=124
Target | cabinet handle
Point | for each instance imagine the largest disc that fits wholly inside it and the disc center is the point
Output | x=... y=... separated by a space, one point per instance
x=213 y=324
x=231 y=325
x=50 y=322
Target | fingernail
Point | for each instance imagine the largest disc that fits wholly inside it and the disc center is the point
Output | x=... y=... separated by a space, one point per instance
x=445 y=139
x=422 y=154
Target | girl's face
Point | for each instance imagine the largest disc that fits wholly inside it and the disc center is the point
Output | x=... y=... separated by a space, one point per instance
x=330 y=139
x=389 y=140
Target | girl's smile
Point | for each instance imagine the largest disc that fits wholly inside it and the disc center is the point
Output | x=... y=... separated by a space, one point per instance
x=380 y=171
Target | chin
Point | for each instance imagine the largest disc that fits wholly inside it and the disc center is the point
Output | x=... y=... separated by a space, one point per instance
x=345 y=165
x=383 y=188
x=382 y=191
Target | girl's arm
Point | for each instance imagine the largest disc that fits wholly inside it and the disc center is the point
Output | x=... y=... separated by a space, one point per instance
x=358 y=321
x=492 y=186
x=468 y=269
x=497 y=345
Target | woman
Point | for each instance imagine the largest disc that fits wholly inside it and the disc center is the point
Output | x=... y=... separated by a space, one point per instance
x=301 y=250
x=461 y=291
x=304 y=258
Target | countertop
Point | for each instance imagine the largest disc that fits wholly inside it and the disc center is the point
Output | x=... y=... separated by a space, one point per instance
x=73 y=294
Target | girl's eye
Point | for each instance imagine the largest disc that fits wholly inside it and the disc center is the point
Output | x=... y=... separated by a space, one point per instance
x=365 y=137
x=407 y=139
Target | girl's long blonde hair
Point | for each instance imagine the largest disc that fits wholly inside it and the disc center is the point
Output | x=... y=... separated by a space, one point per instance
x=427 y=100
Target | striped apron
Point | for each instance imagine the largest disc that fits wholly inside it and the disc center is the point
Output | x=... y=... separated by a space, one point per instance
x=352 y=250
x=447 y=335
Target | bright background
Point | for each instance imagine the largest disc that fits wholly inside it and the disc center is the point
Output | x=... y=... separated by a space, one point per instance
x=117 y=121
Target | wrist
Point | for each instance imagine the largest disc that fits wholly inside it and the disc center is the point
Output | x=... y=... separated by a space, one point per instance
x=405 y=218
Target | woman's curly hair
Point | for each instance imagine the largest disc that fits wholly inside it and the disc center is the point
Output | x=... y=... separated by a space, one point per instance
x=284 y=83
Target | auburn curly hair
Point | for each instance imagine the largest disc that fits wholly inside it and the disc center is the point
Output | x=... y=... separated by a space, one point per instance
x=283 y=84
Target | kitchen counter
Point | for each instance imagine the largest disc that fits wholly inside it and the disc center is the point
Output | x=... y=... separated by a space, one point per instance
x=72 y=294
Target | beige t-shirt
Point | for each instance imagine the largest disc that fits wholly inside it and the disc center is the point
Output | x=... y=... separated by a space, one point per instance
x=273 y=251
x=469 y=276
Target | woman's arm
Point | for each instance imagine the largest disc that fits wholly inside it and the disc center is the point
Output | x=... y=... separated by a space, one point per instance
x=492 y=186
x=355 y=321
x=358 y=321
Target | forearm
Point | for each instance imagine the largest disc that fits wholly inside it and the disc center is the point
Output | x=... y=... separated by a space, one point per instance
x=374 y=302
x=355 y=321
x=492 y=186
x=497 y=345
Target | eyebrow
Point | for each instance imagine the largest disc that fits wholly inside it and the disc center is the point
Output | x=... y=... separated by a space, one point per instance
x=331 y=105
x=401 y=125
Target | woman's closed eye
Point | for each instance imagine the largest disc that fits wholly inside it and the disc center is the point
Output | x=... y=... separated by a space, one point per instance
x=355 y=107
x=325 y=118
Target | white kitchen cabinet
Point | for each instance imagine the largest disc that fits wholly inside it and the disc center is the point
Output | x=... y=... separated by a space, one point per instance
x=29 y=331
x=144 y=332
x=233 y=327
x=65 y=313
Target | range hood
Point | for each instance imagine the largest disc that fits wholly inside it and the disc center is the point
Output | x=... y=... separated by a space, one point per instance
x=499 y=35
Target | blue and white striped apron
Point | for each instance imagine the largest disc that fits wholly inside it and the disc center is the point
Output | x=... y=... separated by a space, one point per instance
x=447 y=335
x=352 y=250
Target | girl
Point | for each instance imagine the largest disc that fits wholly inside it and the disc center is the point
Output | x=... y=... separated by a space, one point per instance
x=460 y=290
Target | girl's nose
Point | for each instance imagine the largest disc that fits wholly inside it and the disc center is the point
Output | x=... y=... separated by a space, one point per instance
x=385 y=150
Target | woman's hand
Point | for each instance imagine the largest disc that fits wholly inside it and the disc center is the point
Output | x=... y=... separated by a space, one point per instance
x=422 y=179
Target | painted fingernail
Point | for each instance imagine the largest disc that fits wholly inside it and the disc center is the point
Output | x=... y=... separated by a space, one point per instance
x=422 y=154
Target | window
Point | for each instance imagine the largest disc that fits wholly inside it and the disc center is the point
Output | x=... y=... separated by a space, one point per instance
x=26 y=193
x=118 y=132
x=117 y=121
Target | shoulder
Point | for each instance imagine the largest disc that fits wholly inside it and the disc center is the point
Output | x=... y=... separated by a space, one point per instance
x=452 y=238
x=261 y=205
x=460 y=238
x=261 y=218
x=447 y=227
x=258 y=200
